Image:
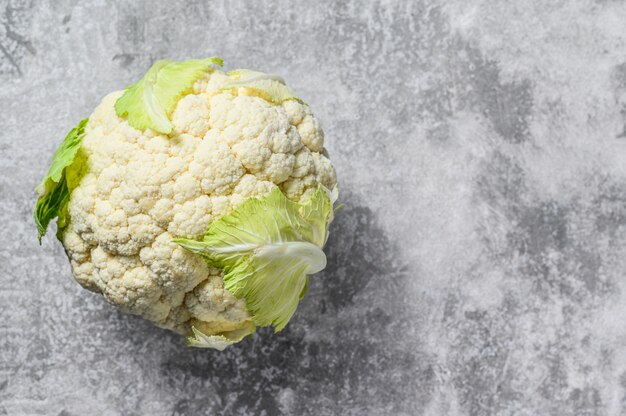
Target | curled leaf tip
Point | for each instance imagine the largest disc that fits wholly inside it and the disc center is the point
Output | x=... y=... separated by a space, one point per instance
x=199 y=339
x=269 y=87
x=149 y=102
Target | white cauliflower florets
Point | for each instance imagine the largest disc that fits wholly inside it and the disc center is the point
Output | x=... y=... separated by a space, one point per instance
x=142 y=189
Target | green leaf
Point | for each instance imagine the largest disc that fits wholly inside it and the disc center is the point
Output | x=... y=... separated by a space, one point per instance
x=218 y=342
x=318 y=212
x=270 y=87
x=149 y=103
x=53 y=190
x=266 y=248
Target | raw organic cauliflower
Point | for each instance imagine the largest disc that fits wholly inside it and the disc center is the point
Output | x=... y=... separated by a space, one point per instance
x=197 y=199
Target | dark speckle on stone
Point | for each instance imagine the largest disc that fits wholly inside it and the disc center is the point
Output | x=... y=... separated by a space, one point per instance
x=14 y=45
x=618 y=80
x=506 y=104
x=125 y=59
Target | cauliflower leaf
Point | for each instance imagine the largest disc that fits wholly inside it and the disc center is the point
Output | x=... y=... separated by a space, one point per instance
x=220 y=341
x=266 y=248
x=270 y=87
x=53 y=190
x=149 y=103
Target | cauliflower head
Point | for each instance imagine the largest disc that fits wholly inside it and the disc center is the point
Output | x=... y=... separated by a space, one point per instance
x=197 y=199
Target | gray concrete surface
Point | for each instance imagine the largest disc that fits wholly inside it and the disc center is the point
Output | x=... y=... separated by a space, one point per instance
x=478 y=268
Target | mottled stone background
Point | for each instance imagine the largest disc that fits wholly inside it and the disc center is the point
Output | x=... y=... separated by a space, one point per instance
x=478 y=268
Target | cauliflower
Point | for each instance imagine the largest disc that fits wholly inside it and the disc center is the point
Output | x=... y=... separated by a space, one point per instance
x=197 y=199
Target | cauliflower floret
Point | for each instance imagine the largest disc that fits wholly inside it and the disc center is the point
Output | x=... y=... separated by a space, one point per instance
x=192 y=115
x=125 y=282
x=175 y=269
x=210 y=302
x=191 y=218
x=141 y=189
x=215 y=166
